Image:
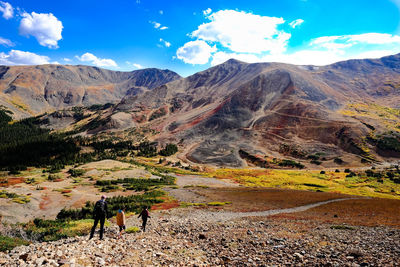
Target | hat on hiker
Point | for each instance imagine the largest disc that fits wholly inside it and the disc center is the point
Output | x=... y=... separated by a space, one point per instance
x=103 y=197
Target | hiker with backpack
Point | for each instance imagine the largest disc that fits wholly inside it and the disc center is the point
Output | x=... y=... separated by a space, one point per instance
x=144 y=214
x=99 y=214
x=121 y=221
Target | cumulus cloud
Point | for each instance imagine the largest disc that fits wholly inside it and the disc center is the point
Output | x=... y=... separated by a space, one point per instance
x=100 y=62
x=207 y=11
x=165 y=43
x=195 y=52
x=17 y=57
x=67 y=59
x=221 y=57
x=253 y=38
x=158 y=26
x=5 y=42
x=46 y=28
x=296 y=23
x=244 y=32
x=7 y=10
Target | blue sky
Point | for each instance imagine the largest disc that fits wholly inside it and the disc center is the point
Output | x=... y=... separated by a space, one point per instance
x=189 y=36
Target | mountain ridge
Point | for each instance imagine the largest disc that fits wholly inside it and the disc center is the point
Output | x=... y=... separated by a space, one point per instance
x=31 y=90
x=237 y=108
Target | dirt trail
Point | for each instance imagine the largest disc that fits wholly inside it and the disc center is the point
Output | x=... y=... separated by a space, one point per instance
x=219 y=216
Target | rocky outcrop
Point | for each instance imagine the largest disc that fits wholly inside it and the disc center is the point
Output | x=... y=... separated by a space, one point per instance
x=184 y=238
x=31 y=90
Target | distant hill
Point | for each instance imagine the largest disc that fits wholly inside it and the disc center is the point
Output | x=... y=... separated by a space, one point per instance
x=236 y=113
x=270 y=109
x=31 y=90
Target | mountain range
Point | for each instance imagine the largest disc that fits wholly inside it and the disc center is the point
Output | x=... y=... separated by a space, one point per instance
x=232 y=114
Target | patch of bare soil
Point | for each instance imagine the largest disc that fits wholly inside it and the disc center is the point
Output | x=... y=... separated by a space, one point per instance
x=12 y=181
x=105 y=164
x=245 y=199
x=366 y=212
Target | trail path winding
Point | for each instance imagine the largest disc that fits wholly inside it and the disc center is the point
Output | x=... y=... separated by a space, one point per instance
x=220 y=216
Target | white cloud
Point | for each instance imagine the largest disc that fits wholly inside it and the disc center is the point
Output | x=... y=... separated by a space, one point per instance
x=207 y=11
x=46 y=28
x=221 y=57
x=253 y=38
x=155 y=24
x=165 y=43
x=195 y=52
x=136 y=65
x=343 y=41
x=243 y=32
x=158 y=26
x=296 y=23
x=100 y=62
x=17 y=57
x=7 y=10
x=161 y=12
x=6 y=42
x=67 y=59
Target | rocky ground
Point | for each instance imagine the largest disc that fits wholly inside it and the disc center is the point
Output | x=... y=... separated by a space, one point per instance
x=181 y=237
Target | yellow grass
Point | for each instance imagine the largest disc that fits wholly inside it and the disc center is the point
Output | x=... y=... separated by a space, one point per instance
x=390 y=117
x=311 y=180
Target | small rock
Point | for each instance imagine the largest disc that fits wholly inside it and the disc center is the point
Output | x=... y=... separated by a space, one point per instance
x=298 y=256
x=24 y=256
x=202 y=236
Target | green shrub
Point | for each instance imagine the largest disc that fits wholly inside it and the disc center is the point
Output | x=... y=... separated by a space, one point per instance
x=131 y=230
x=217 y=203
x=132 y=203
x=169 y=150
x=342 y=227
x=290 y=163
x=76 y=172
x=53 y=177
x=8 y=243
x=391 y=143
x=338 y=161
x=316 y=162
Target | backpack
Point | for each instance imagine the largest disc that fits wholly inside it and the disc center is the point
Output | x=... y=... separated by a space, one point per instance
x=100 y=208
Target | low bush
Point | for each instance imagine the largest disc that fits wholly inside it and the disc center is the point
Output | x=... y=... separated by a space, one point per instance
x=131 y=230
x=8 y=243
x=76 y=172
x=290 y=163
x=338 y=161
x=132 y=203
x=169 y=150
x=316 y=162
x=342 y=227
x=216 y=203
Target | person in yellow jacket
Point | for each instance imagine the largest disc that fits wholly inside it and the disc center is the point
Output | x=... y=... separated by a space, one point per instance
x=121 y=221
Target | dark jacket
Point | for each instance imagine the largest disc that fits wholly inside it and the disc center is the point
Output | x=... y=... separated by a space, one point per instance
x=100 y=208
x=144 y=214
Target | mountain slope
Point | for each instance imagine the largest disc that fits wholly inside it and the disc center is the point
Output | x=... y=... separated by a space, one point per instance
x=260 y=108
x=31 y=90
